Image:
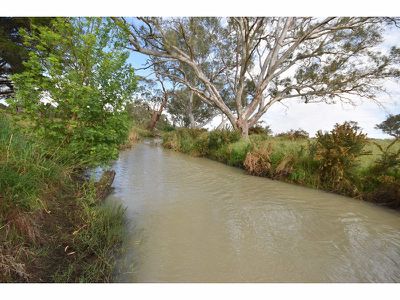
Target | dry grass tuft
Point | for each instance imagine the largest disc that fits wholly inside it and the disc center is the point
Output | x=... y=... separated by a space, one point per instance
x=258 y=162
x=25 y=224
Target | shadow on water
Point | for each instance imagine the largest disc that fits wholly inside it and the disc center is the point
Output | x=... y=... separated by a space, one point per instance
x=196 y=220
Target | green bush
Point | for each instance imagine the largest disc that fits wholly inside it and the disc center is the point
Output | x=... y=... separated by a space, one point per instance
x=381 y=181
x=201 y=144
x=294 y=134
x=236 y=153
x=219 y=138
x=338 y=153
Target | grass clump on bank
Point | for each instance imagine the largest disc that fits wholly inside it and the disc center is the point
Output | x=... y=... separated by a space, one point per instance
x=136 y=133
x=343 y=160
x=53 y=227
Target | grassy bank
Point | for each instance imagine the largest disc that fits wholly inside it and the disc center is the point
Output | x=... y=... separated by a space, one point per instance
x=53 y=225
x=343 y=161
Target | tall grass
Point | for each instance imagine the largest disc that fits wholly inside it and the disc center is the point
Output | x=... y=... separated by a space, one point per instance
x=336 y=165
x=94 y=243
x=52 y=226
x=25 y=170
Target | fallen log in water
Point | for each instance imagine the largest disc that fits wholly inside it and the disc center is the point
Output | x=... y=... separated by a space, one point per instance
x=103 y=186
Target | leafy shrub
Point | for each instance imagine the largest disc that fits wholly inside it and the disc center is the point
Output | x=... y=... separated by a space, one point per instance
x=294 y=134
x=337 y=153
x=218 y=138
x=389 y=162
x=191 y=141
x=305 y=166
x=201 y=144
x=236 y=153
x=258 y=129
x=83 y=116
x=382 y=182
x=257 y=139
x=170 y=140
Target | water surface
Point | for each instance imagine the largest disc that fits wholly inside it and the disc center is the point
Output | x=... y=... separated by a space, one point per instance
x=196 y=220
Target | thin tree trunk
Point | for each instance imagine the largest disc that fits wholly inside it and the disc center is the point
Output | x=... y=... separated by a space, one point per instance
x=157 y=114
x=192 y=123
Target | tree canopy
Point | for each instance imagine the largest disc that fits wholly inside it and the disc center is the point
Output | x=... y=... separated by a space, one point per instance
x=243 y=66
x=74 y=87
x=391 y=126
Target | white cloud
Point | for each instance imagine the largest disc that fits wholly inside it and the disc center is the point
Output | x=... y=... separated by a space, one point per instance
x=320 y=116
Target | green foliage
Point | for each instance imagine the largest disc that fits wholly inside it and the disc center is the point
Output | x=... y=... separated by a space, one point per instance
x=338 y=153
x=12 y=50
x=219 y=138
x=391 y=126
x=236 y=152
x=74 y=88
x=185 y=104
x=381 y=180
x=294 y=134
x=259 y=129
x=25 y=170
x=41 y=202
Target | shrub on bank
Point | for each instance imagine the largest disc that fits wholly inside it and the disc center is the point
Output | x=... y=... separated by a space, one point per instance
x=338 y=153
x=258 y=161
x=220 y=138
x=25 y=170
x=331 y=161
x=236 y=153
x=381 y=181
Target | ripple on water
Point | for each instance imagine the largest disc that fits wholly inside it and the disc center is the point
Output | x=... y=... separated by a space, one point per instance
x=196 y=220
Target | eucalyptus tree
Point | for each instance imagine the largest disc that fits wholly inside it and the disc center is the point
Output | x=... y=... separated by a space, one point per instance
x=188 y=110
x=313 y=59
x=154 y=93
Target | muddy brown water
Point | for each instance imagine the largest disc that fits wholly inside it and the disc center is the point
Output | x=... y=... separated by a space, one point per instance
x=196 y=220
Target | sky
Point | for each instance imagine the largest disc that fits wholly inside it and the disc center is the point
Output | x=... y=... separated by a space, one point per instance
x=293 y=114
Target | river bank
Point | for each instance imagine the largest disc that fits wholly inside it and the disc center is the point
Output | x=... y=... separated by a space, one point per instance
x=192 y=219
x=371 y=174
x=54 y=225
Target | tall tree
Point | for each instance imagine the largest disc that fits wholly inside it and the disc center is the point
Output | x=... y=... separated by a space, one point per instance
x=74 y=87
x=317 y=60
